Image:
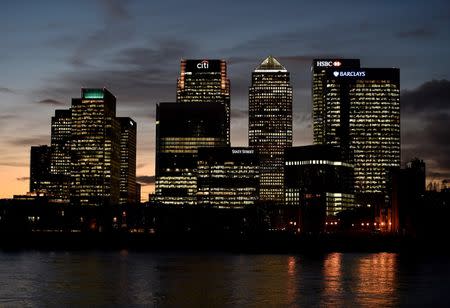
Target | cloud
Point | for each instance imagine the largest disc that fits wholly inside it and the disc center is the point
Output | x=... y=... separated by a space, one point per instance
x=29 y=141
x=425 y=128
x=240 y=60
x=417 y=33
x=115 y=28
x=305 y=59
x=50 y=101
x=239 y=113
x=4 y=117
x=432 y=96
x=23 y=178
x=146 y=179
x=138 y=76
x=7 y=90
x=13 y=164
x=439 y=175
x=141 y=165
x=115 y=9
x=161 y=54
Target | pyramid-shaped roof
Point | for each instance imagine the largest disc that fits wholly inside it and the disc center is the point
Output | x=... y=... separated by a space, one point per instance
x=270 y=64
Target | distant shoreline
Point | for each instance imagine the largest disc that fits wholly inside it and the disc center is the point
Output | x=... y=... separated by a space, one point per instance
x=272 y=243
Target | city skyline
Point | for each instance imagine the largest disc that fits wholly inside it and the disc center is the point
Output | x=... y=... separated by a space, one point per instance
x=29 y=97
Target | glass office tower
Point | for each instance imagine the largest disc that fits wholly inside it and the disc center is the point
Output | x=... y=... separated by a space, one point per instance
x=227 y=177
x=316 y=176
x=61 y=133
x=95 y=149
x=270 y=124
x=362 y=116
x=319 y=82
x=180 y=130
x=205 y=81
x=127 y=160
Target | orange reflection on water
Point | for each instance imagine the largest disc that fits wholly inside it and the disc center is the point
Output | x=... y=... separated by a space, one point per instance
x=291 y=287
x=291 y=265
x=332 y=275
x=376 y=279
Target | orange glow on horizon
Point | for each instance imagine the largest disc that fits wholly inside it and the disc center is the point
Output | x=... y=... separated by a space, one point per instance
x=11 y=183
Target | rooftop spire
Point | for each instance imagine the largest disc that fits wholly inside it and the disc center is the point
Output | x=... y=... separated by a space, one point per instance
x=270 y=64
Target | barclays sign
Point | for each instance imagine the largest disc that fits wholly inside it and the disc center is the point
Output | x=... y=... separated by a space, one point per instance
x=349 y=74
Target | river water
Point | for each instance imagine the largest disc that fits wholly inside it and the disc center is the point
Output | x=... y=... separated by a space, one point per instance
x=128 y=278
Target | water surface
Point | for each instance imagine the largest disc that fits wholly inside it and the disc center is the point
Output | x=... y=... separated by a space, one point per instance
x=223 y=280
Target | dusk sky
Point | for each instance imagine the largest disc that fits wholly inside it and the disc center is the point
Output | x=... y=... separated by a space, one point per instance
x=50 y=49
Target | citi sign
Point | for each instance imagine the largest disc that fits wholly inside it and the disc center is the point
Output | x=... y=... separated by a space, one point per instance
x=349 y=74
x=328 y=63
x=203 y=65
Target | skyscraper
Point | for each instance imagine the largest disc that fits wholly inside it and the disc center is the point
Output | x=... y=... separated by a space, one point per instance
x=270 y=124
x=61 y=133
x=362 y=116
x=317 y=180
x=319 y=83
x=127 y=161
x=40 y=168
x=227 y=177
x=95 y=149
x=205 y=81
x=180 y=130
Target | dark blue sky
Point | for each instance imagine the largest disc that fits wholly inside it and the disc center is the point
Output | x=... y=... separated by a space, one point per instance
x=50 y=49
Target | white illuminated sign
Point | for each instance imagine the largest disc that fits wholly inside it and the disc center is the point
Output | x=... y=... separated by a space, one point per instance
x=241 y=151
x=349 y=74
x=328 y=63
x=203 y=65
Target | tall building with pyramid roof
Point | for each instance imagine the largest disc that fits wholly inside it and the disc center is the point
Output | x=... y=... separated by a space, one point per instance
x=270 y=124
x=270 y=64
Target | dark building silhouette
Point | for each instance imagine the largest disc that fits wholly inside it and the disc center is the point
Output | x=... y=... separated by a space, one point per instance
x=319 y=183
x=127 y=160
x=205 y=81
x=270 y=124
x=61 y=133
x=95 y=149
x=406 y=193
x=227 y=177
x=181 y=129
x=138 y=193
x=319 y=84
x=360 y=113
x=40 y=178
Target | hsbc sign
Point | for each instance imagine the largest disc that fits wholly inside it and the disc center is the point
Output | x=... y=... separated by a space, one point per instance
x=326 y=63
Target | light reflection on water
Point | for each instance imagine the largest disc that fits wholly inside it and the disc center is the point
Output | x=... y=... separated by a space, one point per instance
x=222 y=280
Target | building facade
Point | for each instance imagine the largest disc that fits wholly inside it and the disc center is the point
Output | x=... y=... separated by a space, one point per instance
x=61 y=133
x=128 y=132
x=362 y=117
x=205 y=81
x=180 y=130
x=319 y=84
x=319 y=182
x=40 y=178
x=227 y=177
x=95 y=149
x=270 y=124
